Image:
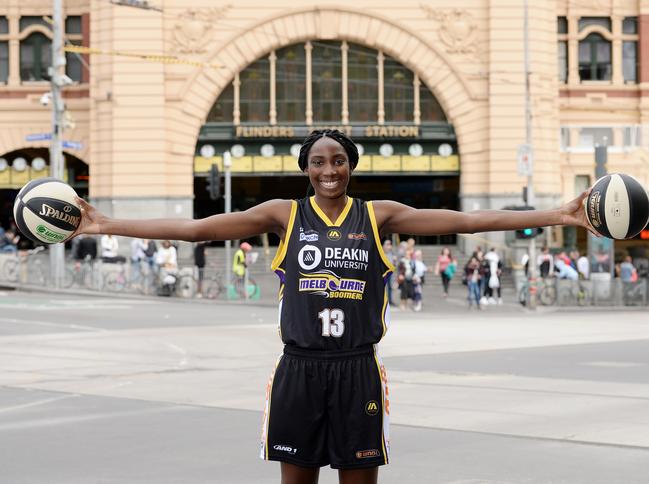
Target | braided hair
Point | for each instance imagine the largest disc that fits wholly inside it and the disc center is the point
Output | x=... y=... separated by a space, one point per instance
x=344 y=140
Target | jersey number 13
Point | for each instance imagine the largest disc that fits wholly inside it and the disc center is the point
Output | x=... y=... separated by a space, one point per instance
x=333 y=322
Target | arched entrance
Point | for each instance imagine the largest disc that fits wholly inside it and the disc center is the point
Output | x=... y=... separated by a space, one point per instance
x=408 y=147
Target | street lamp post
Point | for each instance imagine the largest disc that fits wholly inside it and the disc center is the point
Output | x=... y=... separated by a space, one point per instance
x=530 y=175
x=57 y=80
x=227 y=165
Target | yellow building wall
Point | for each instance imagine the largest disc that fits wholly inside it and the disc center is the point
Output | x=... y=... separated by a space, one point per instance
x=140 y=123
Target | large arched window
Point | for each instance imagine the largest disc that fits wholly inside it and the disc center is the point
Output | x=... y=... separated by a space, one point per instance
x=430 y=109
x=35 y=55
x=221 y=111
x=291 y=84
x=378 y=88
x=255 y=85
x=362 y=84
x=595 y=58
x=398 y=91
x=327 y=82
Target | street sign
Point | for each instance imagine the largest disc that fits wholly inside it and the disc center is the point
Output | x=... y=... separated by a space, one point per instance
x=38 y=137
x=72 y=145
x=525 y=160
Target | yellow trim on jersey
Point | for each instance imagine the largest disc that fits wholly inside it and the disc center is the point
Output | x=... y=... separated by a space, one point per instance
x=377 y=239
x=323 y=216
x=378 y=367
x=283 y=244
x=385 y=305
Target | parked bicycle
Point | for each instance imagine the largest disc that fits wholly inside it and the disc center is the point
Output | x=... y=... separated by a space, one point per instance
x=213 y=286
x=80 y=274
x=115 y=279
x=245 y=288
x=546 y=292
x=577 y=293
x=634 y=293
x=25 y=267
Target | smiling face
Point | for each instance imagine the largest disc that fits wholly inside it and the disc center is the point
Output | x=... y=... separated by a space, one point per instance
x=328 y=168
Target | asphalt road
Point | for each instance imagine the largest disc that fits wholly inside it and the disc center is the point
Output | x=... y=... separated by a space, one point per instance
x=116 y=390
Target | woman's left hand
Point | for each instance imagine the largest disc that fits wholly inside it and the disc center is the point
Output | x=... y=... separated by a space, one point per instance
x=573 y=213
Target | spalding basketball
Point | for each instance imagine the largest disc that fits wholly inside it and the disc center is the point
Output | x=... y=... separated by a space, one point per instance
x=46 y=211
x=617 y=206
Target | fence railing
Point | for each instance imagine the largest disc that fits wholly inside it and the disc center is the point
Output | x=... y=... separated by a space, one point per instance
x=32 y=268
x=598 y=291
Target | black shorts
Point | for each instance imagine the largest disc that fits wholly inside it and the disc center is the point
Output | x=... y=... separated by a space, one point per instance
x=327 y=408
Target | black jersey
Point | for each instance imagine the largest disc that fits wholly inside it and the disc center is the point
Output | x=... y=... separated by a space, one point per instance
x=333 y=276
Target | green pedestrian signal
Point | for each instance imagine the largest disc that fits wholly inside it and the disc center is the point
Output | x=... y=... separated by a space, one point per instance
x=529 y=233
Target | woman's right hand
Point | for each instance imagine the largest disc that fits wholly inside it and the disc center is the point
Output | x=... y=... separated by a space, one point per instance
x=91 y=219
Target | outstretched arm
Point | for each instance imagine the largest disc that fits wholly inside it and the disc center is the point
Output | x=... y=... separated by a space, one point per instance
x=394 y=217
x=271 y=216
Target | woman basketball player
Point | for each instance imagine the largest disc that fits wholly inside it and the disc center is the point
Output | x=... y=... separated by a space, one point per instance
x=327 y=401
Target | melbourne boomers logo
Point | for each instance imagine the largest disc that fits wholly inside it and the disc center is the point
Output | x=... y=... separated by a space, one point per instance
x=328 y=284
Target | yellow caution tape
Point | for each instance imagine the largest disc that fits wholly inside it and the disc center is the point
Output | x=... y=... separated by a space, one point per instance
x=165 y=59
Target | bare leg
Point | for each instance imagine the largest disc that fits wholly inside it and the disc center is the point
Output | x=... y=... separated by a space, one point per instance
x=359 y=476
x=292 y=474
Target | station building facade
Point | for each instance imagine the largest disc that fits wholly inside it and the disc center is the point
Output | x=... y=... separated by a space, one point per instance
x=434 y=96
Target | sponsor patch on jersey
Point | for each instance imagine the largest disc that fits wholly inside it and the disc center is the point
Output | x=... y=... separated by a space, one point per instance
x=309 y=257
x=328 y=284
x=359 y=236
x=372 y=408
x=334 y=234
x=364 y=454
x=346 y=258
x=308 y=235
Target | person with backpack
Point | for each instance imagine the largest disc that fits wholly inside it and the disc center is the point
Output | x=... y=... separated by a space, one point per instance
x=445 y=268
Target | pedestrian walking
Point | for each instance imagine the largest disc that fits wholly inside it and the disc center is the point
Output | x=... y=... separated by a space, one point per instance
x=492 y=273
x=166 y=258
x=109 y=250
x=445 y=268
x=628 y=272
x=240 y=264
x=418 y=279
x=149 y=252
x=137 y=259
x=199 y=263
x=405 y=274
x=583 y=267
x=473 y=276
x=544 y=262
x=327 y=399
x=86 y=248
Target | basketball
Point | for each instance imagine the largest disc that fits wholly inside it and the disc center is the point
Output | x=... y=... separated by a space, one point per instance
x=46 y=211
x=617 y=206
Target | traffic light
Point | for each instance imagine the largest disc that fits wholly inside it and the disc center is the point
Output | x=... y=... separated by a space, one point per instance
x=529 y=233
x=213 y=185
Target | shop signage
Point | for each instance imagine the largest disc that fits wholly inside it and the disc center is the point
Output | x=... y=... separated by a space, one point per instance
x=362 y=131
